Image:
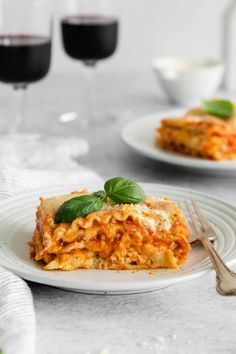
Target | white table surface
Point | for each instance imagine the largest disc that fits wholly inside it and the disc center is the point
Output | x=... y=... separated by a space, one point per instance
x=186 y=318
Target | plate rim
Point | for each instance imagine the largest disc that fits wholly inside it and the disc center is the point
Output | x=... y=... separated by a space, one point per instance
x=169 y=157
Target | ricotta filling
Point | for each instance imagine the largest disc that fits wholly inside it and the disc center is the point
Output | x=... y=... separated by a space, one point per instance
x=154 y=223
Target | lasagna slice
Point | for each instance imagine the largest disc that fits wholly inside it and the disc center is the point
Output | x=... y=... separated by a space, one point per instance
x=199 y=134
x=148 y=235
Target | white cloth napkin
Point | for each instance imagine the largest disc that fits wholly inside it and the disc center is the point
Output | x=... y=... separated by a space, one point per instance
x=29 y=163
x=17 y=319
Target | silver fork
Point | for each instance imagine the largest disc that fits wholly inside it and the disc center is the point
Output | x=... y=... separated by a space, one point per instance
x=201 y=231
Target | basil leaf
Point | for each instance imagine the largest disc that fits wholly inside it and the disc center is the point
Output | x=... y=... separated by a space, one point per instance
x=76 y=207
x=101 y=195
x=219 y=108
x=124 y=191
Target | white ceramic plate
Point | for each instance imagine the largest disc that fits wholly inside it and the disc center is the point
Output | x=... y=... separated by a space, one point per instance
x=17 y=219
x=140 y=136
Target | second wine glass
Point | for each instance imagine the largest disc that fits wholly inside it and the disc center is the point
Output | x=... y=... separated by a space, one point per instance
x=90 y=34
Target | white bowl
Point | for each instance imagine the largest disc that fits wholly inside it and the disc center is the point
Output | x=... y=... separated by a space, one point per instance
x=187 y=81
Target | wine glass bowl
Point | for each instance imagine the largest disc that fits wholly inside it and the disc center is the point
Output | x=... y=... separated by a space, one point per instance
x=90 y=38
x=24 y=59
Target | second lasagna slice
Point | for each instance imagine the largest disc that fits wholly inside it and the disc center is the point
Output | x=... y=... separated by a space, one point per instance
x=199 y=134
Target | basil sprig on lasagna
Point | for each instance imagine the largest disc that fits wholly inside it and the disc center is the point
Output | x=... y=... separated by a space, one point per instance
x=220 y=108
x=118 y=190
x=124 y=191
x=78 y=206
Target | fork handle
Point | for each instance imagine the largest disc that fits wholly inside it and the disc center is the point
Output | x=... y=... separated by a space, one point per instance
x=226 y=280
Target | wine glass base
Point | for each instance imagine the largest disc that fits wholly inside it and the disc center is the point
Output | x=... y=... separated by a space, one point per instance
x=85 y=121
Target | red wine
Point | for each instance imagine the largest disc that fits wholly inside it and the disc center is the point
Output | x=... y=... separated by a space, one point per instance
x=89 y=38
x=23 y=58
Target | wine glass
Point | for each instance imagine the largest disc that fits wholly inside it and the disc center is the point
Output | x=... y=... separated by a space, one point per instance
x=90 y=34
x=25 y=47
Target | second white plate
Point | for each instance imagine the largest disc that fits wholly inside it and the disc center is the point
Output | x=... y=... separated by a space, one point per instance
x=140 y=136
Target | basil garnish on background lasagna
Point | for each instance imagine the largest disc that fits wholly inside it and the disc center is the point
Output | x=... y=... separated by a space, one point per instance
x=118 y=228
x=208 y=132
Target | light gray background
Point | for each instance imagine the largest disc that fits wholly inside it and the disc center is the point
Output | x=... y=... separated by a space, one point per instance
x=202 y=321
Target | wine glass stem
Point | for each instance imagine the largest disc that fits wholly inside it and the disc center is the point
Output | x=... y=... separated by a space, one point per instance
x=90 y=70
x=20 y=96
